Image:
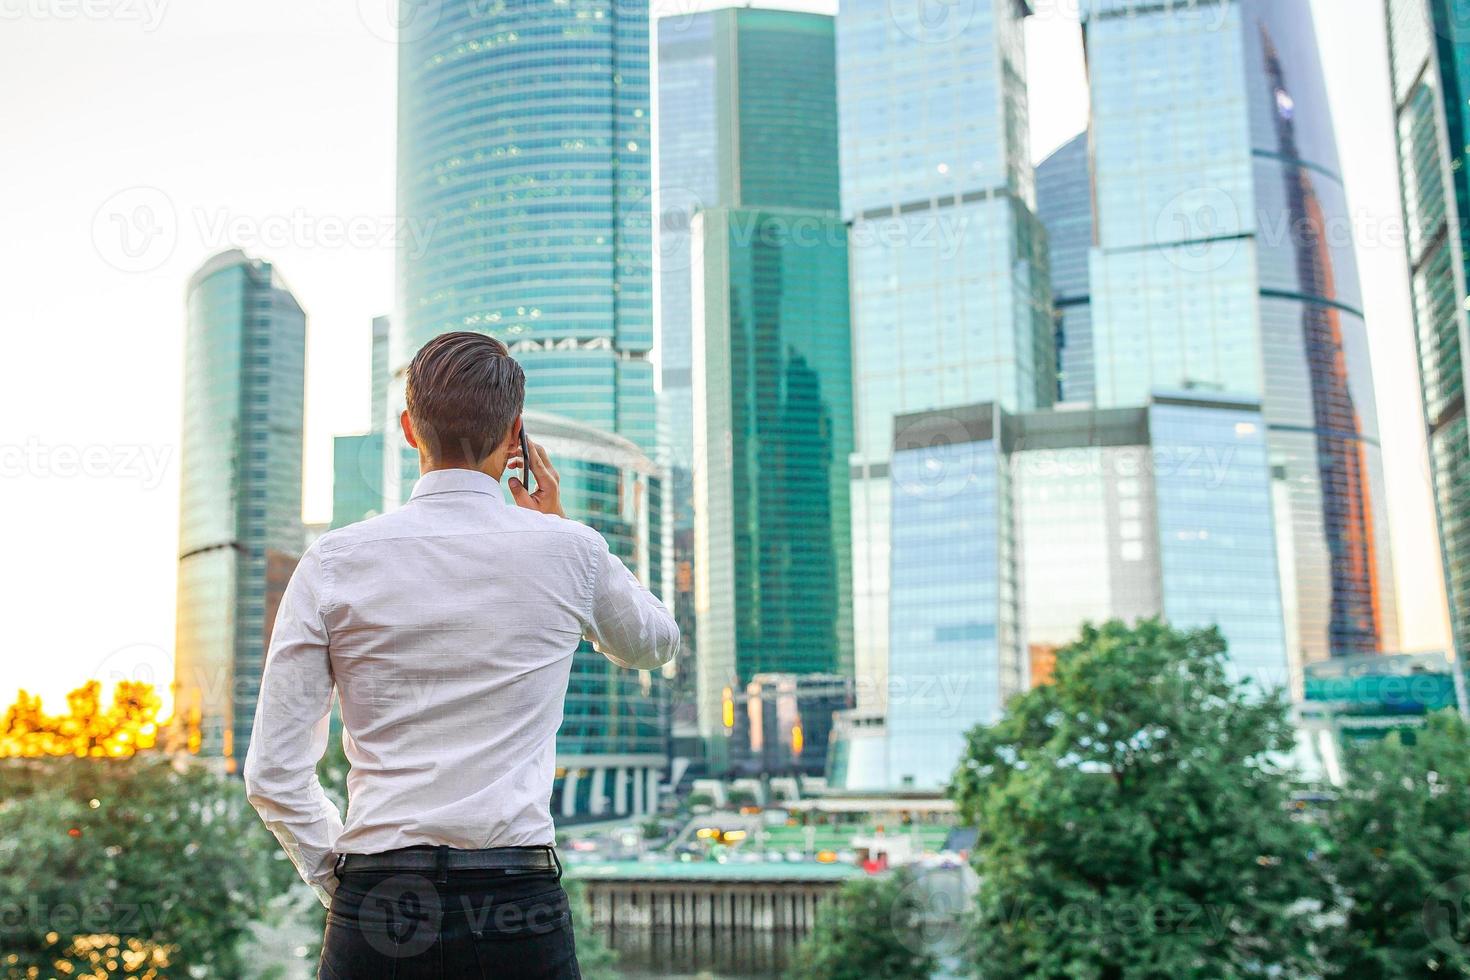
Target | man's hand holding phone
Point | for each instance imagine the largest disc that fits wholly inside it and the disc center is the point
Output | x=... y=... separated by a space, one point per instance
x=547 y=496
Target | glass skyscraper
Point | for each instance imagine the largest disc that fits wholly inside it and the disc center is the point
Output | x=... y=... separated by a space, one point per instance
x=610 y=747
x=1011 y=530
x=1064 y=205
x=748 y=147
x=773 y=431
x=950 y=300
x=524 y=153
x=357 y=460
x=523 y=168
x=240 y=531
x=1429 y=49
x=1223 y=263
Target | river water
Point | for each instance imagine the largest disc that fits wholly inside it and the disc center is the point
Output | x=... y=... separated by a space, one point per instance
x=700 y=954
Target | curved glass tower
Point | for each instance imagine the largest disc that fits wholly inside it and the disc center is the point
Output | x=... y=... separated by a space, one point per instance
x=1429 y=50
x=1064 y=205
x=1223 y=262
x=524 y=186
x=523 y=173
x=610 y=748
x=240 y=528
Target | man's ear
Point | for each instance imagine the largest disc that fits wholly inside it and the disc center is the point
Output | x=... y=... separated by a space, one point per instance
x=408 y=435
x=513 y=436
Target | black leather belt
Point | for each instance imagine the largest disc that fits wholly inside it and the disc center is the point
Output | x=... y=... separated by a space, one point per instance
x=441 y=860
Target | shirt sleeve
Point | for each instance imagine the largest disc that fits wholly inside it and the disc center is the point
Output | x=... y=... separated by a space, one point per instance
x=628 y=624
x=291 y=730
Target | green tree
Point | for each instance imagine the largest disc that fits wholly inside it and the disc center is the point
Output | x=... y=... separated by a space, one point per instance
x=594 y=958
x=867 y=931
x=1132 y=823
x=165 y=867
x=1401 y=855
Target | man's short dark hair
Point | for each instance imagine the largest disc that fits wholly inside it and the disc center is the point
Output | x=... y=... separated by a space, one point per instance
x=464 y=391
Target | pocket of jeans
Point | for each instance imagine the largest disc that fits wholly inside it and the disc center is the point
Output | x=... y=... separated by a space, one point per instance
x=541 y=948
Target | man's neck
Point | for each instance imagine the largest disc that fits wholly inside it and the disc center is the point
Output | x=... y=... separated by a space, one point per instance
x=492 y=466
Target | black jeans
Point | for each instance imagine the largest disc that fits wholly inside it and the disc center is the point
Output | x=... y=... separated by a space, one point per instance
x=397 y=926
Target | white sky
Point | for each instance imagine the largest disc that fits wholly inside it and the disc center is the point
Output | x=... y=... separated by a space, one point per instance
x=271 y=125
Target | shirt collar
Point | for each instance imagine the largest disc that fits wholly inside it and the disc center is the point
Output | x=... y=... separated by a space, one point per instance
x=455 y=481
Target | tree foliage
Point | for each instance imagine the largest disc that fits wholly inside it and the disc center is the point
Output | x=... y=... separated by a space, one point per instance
x=1401 y=855
x=1131 y=822
x=867 y=931
x=128 y=861
x=88 y=729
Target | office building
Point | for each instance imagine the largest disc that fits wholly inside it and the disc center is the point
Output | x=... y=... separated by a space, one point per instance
x=610 y=750
x=1011 y=530
x=357 y=460
x=1223 y=263
x=1064 y=205
x=950 y=300
x=782 y=723
x=748 y=119
x=523 y=183
x=772 y=398
x=1429 y=54
x=524 y=148
x=240 y=529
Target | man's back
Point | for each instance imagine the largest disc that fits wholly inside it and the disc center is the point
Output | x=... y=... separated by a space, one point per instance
x=447 y=628
x=453 y=622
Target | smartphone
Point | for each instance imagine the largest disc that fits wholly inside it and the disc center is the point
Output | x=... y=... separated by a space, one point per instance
x=525 y=460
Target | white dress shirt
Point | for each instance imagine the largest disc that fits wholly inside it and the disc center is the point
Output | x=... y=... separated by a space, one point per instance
x=447 y=628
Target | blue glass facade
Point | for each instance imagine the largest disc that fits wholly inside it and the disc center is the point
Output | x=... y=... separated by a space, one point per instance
x=1217 y=546
x=747 y=119
x=240 y=529
x=1064 y=205
x=524 y=157
x=1429 y=52
x=956 y=618
x=523 y=167
x=610 y=747
x=773 y=432
x=357 y=478
x=1010 y=531
x=950 y=300
x=1223 y=262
